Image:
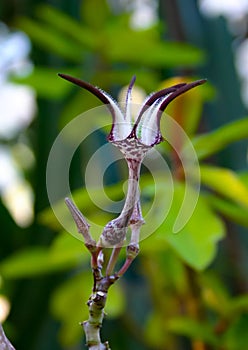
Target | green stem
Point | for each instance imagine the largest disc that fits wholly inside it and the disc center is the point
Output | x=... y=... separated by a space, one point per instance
x=93 y=324
x=96 y=304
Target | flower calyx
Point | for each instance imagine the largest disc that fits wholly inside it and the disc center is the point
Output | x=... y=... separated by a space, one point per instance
x=134 y=137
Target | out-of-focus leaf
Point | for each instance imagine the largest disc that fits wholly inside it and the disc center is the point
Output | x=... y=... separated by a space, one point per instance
x=144 y=47
x=95 y=13
x=225 y=182
x=214 y=293
x=36 y=261
x=193 y=329
x=174 y=270
x=68 y=304
x=46 y=82
x=210 y=143
x=243 y=176
x=165 y=259
x=155 y=331
x=144 y=78
x=236 y=337
x=67 y=26
x=238 y=304
x=115 y=304
x=159 y=55
x=67 y=244
x=51 y=40
x=230 y=210
x=196 y=242
x=65 y=253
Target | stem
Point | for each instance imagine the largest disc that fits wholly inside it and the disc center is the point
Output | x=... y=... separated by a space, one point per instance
x=114 y=233
x=96 y=306
x=94 y=257
x=125 y=266
x=133 y=186
x=132 y=252
x=136 y=221
x=93 y=324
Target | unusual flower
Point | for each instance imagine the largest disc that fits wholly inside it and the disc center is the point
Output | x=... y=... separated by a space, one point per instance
x=134 y=138
x=146 y=128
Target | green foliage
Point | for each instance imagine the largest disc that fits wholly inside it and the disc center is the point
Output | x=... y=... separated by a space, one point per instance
x=64 y=253
x=236 y=337
x=64 y=306
x=77 y=42
x=196 y=241
x=219 y=180
x=212 y=142
x=230 y=210
x=41 y=77
x=194 y=330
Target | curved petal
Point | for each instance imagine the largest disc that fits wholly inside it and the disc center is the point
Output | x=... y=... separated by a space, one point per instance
x=152 y=99
x=161 y=93
x=128 y=112
x=120 y=128
x=148 y=126
x=180 y=91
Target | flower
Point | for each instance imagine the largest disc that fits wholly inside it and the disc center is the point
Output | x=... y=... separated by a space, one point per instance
x=134 y=138
x=146 y=128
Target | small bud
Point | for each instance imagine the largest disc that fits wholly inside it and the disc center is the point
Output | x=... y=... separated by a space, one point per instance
x=113 y=234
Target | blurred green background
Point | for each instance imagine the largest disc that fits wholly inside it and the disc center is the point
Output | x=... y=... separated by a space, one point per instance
x=184 y=291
